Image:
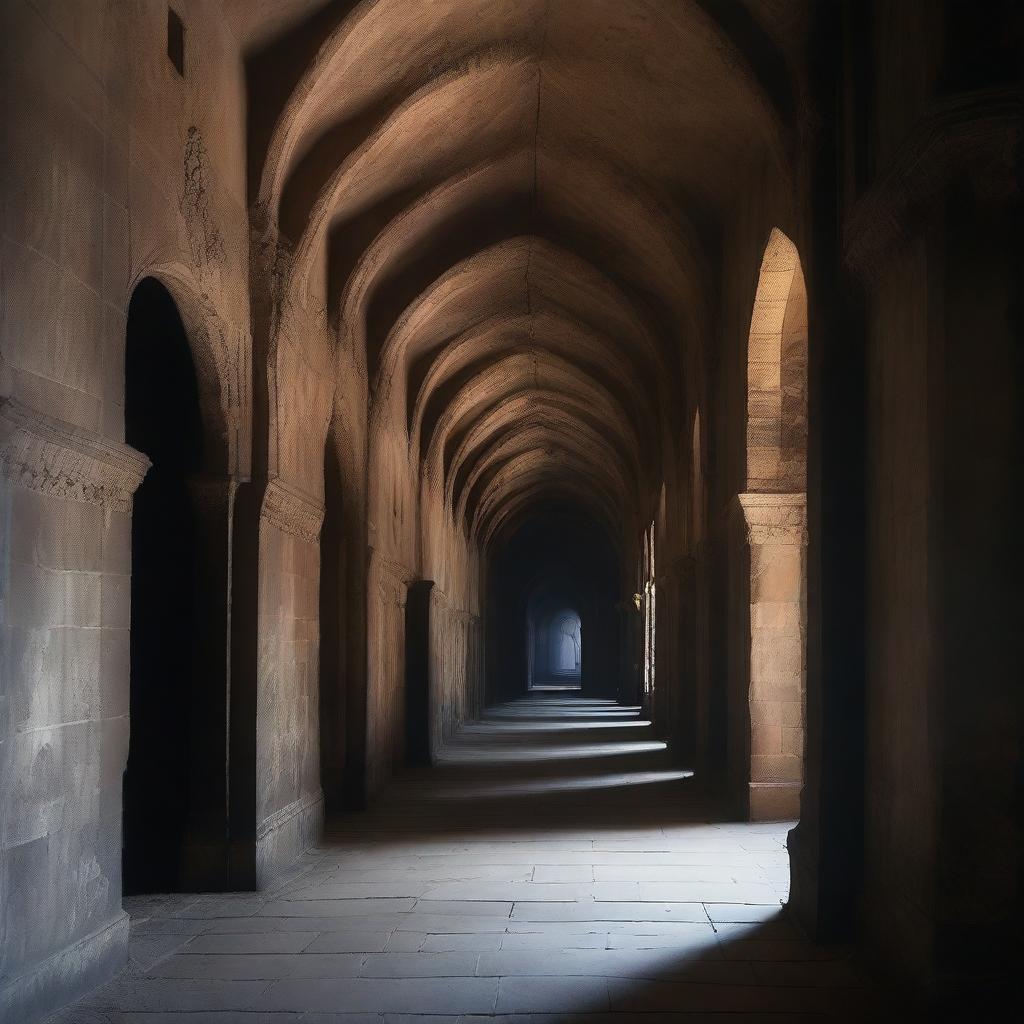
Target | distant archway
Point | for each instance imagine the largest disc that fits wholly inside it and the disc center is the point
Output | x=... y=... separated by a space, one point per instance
x=565 y=646
x=555 y=636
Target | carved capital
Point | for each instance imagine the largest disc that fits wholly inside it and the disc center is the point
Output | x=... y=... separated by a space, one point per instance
x=48 y=455
x=292 y=511
x=774 y=518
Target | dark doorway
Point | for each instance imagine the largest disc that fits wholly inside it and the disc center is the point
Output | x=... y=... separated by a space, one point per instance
x=559 y=561
x=417 y=673
x=556 y=649
x=162 y=419
x=333 y=637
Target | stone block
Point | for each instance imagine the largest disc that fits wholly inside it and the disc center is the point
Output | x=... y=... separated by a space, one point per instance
x=793 y=741
x=115 y=599
x=775 y=768
x=112 y=421
x=788 y=691
x=52 y=532
x=54 y=675
x=115 y=158
x=117 y=541
x=116 y=254
x=776 y=573
x=776 y=660
x=767 y=317
x=69 y=404
x=774 y=285
x=766 y=739
x=763 y=460
x=114 y=733
x=763 y=348
x=774 y=802
x=115 y=670
x=788 y=714
x=51 y=597
x=782 y=618
x=54 y=772
x=51 y=324
x=80 y=224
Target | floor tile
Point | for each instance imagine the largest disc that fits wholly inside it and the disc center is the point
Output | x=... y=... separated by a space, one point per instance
x=532 y=904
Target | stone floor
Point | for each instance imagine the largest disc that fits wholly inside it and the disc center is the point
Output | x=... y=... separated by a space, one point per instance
x=555 y=866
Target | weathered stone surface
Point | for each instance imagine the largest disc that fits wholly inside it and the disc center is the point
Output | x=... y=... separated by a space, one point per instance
x=553 y=304
x=552 y=947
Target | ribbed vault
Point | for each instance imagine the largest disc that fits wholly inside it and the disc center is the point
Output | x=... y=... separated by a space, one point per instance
x=508 y=213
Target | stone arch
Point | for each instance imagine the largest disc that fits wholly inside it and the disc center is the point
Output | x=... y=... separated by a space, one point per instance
x=223 y=389
x=777 y=373
x=767 y=692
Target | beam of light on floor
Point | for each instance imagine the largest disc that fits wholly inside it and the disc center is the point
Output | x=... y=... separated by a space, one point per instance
x=567 y=784
x=553 y=753
x=561 y=725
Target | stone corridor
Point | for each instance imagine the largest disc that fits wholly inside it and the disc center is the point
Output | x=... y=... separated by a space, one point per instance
x=554 y=865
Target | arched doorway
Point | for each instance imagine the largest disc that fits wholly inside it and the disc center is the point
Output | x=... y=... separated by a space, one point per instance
x=766 y=732
x=564 y=645
x=342 y=620
x=555 y=638
x=162 y=420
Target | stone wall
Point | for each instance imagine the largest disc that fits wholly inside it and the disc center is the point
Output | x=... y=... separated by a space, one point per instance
x=942 y=847
x=385 y=298
x=912 y=443
x=115 y=167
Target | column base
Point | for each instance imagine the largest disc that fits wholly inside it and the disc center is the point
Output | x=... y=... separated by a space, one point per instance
x=774 y=801
x=66 y=975
x=286 y=835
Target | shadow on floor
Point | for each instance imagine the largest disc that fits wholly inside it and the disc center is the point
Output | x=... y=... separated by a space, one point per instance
x=554 y=866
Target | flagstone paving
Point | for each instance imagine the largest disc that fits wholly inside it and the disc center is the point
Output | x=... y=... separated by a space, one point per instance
x=555 y=865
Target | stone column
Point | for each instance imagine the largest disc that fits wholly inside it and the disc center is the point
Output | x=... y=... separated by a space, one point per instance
x=776 y=537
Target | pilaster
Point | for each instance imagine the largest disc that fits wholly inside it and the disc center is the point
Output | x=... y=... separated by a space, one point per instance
x=776 y=534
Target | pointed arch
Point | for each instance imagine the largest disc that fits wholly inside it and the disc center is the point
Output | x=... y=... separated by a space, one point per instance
x=777 y=373
x=769 y=674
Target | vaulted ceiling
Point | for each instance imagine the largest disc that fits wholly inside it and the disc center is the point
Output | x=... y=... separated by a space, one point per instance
x=511 y=208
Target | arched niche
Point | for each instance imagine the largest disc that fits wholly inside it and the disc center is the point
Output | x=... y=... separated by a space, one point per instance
x=176 y=788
